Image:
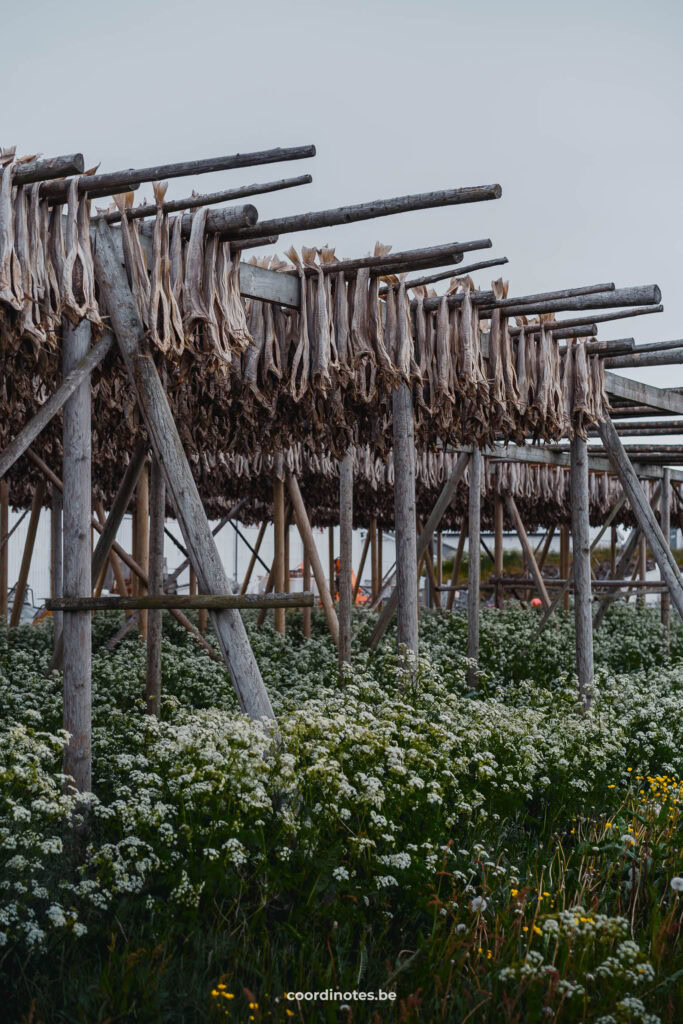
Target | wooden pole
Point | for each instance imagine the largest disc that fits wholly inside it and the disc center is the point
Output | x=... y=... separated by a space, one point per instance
x=142 y=539
x=20 y=591
x=56 y=562
x=345 y=557
x=169 y=601
x=498 y=546
x=527 y=549
x=380 y=552
x=330 y=561
x=304 y=527
x=564 y=561
x=583 y=612
x=546 y=547
x=643 y=513
x=361 y=565
x=307 y=586
x=157 y=513
x=279 y=552
x=456 y=565
x=193 y=583
x=641 y=571
x=4 y=549
x=76 y=629
x=474 y=566
x=439 y=568
x=164 y=438
x=113 y=557
x=254 y=555
x=374 y=586
x=612 y=552
x=404 y=517
x=665 y=518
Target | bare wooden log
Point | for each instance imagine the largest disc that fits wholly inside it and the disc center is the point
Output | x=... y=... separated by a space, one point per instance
x=4 y=549
x=581 y=567
x=76 y=629
x=306 y=612
x=498 y=545
x=255 y=243
x=456 y=565
x=439 y=566
x=511 y=506
x=562 y=293
x=212 y=602
x=119 y=181
x=670 y=357
x=665 y=522
x=641 y=295
x=647 y=427
x=345 y=557
x=644 y=514
x=306 y=533
x=619 y=412
x=330 y=561
x=51 y=407
x=208 y=199
x=279 y=528
x=167 y=446
x=375 y=581
x=254 y=556
x=47 y=168
x=432 y=256
x=643 y=394
x=474 y=566
x=371 y=210
x=20 y=589
x=416 y=282
x=588 y=321
x=141 y=541
x=361 y=564
x=229 y=219
x=157 y=511
x=56 y=562
x=641 y=570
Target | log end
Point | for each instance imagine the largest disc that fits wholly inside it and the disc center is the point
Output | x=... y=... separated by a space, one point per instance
x=250 y=215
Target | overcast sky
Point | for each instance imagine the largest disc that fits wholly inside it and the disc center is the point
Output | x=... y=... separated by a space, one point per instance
x=574 y=109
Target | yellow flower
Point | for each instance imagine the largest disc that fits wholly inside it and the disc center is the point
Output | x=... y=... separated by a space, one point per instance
x=537 y=930
x=608 y=824
x=221 y=985
x=214 y=992
x=290 y=1013
x=489 y=954
x=612 y=786
x=629 y=769
x=546 y=893
x=525 y=928
x=515 y=892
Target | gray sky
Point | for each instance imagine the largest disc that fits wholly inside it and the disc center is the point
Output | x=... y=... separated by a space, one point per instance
x=574 y=109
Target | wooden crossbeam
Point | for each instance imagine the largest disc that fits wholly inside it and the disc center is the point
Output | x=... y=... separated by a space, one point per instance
x=212 y=602
x=643 y=394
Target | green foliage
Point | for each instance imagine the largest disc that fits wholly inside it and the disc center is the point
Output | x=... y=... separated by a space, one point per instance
x=494 y=855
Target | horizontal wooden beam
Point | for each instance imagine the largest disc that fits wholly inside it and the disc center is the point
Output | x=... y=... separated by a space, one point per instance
x=643 y=394
x=47 y=168
x=212 y=602
x=636 y=359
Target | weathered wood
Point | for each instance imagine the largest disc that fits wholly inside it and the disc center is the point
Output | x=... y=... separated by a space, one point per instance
x=474 y=566
x=432 y=256
x=55 y=402
x=20 y=589
x=439 y=566
x=646 y=428
x=581 y=568
x=4 y=549
x=208 y=199
x=141 y=541
x=371 y=210
x=310 y=548
x=665 y=523
x=167 y=446
x=330 y=561
x=119 y=181
x=361 y=564
x=670 y=357
x=306 y=612
x=269 y=286
x=213 y=602
x=498 y=545
x=562 y=293
x=456 y=565
x=642 y=570
x=228 y=219
x=416 y=282
x=345 y=557
x=76 y=630
x=528 y=551
x=641 y=295
x=553 y=456
x=157 y=512
x=374 y=576
x=643 y=514
x=643 y=394
x=279 y=544
x=404 y=521
x=589 y=321
x=254 y=556
x=56 y=561
x=47 y=168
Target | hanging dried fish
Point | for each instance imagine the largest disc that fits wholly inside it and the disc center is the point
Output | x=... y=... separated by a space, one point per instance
x=11 y=291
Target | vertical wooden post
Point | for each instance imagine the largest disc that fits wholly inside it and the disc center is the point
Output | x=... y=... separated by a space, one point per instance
x=665 y=518
x=56 y=562
x=330 y=561
x=142 y=539
x=498 y=546
x=583 y=612
x=612 y=553
x=19 y=593
x=439 y=568
x=307 y=587
x=456 y=564
x=288 y=566
x=279 y=551
x=345 y=556
x=380 y=551
x=76 y=629
x=642 y=572
x=193 y=582
x=157 y=512
x=372 y=534
x=564 y=561
x=361 y=567
x=474 y=565
x=4 y=549
x=404 y=516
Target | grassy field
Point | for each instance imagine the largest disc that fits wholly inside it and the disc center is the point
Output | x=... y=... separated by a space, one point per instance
x=485 y=856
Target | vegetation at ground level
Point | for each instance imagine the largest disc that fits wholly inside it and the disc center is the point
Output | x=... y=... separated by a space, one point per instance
x=491 y=856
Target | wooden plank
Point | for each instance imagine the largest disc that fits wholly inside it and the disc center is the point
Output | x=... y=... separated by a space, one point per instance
x=306 y=533
x=55 y=402
x=345 y=557
x=526 y=548
x=212 y=602
x=644 y=515
x=20 y=589
x=182 y=489
x=269 y=286
x=643 y=394
x=157 y=512
x=77 y=494
x=474 y=566
x=581 y=568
